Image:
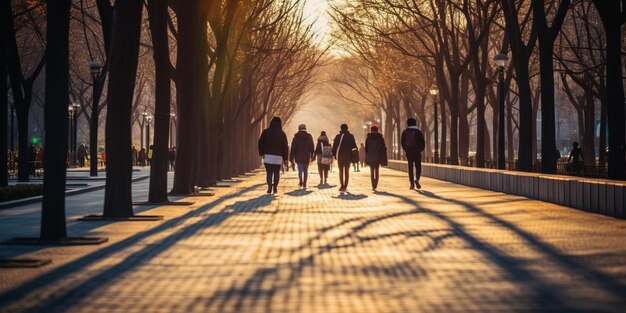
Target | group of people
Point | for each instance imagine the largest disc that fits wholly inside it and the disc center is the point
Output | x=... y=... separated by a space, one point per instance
x=274 y=149
x=143 y=157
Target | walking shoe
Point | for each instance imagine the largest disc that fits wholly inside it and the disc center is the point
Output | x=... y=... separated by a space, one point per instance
x=417 y=184
x=269 y=190
x=412 y=186
x=300 y=184
x=275 y=190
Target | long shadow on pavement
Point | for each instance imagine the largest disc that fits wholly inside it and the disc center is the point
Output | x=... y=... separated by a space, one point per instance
x=135 y=258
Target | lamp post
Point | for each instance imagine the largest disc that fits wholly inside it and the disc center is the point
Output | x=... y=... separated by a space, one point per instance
x=12 y=127
x=434 y=91
x=70 y=157
x=75 y=133
x=172 y=117
x=143 y=125
x=95 y=67
x=149 y=120
x=501 y=61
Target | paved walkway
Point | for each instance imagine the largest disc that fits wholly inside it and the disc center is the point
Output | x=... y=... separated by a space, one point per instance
x=447 y=248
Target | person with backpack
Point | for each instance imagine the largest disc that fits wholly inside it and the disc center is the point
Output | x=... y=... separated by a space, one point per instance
x=274 y=149
x=302 y=153
x=343 y=147
x=324 y=153
x=375 y=154
x=413 y=144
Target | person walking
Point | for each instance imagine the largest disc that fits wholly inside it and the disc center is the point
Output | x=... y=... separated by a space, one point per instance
x=150 y=152
x=324 y=153
x=343 y=146
x=142 y=157
x=80 y=155
x=302 y=153
x=362 y=155
x=413 y=144
x=576 y=160
x=133 y=155
x=171 y=155
x=274 y=149
x=375 y=154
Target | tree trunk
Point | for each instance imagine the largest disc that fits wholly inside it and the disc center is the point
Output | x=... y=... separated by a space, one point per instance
x=443 y=147
x=93 y=127
x=510 y=147
x=158 y=15
x=615 y=101
x=4 y=105
x=603 y=131
x=122 y=71
x=56 y=121
x=190 y=24
x=588 y=143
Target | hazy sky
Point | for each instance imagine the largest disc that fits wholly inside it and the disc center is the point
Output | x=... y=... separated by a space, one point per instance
x=315 y=10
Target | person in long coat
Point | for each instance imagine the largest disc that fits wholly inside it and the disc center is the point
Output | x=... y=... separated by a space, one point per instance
x=375 y=154
x=302 y=153
x=274 y=149
x=343 y=147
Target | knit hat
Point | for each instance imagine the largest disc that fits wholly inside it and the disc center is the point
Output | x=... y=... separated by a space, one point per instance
x=374 y=129
x=301 y=127
x=344 y=126
x=411 y=122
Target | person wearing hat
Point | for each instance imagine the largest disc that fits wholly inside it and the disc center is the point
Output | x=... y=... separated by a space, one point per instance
x=375 y=154
x=413 y=144
x=343 y=147
x=302 y=152
x=274 y=149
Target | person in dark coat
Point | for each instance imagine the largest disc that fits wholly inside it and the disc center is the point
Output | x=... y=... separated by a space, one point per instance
x=343 y=147
x=274 y=149
x=323 y=164
x=133 y=155
x=413 y=144
x=302 y=152
x=172 y=157
x=375 y=154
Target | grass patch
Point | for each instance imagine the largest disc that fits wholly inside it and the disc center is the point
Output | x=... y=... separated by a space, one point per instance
x=20 y=191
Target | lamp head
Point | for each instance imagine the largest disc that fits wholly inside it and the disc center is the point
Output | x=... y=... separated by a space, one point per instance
x=95 y=67
x=434 y=91
x=501 y=60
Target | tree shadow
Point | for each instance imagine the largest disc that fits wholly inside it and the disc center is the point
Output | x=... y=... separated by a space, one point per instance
x=136 y=257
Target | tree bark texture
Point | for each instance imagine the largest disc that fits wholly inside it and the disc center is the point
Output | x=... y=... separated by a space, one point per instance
x=122 y=71
x=56 y=120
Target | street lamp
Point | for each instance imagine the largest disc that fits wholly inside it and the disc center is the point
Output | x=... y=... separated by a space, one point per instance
x=143 y=125
x=149 y=120
x=172 y=117
x=95 y=67
x=501 y=61
x=70 y=111
x=434 y=91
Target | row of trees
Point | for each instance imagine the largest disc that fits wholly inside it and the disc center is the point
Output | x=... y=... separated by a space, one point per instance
x=399 y=49
x=228 y=65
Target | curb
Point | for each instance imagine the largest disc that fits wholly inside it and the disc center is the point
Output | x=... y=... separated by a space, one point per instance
x=72 y=192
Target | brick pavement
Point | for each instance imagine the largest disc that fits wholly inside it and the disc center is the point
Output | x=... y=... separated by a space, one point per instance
x=447 y=248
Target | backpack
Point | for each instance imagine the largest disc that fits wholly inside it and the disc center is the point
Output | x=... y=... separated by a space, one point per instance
x=411 y=143
x=327 y=155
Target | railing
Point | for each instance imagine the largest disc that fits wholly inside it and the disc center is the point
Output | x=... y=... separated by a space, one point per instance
x=563 y=168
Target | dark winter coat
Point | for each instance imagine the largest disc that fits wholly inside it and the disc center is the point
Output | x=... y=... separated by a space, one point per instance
x=419 y=140
x=302 y=149
x=273 y=140
x=343 y=154
x=375 y=149
x=319 y=148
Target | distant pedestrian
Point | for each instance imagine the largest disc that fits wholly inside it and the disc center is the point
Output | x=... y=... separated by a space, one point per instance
x=362 y=155
x=171 y=155
x=150 y=152
x=80 y=155
x=324 y=153
x=355 y=160
x=343 y=146
x=302 y=153
x=274 y=149
x=143 y=155
x=375 y=154
x=576 y=161
x=32 y=158
x=133 y=155
x=413 y=144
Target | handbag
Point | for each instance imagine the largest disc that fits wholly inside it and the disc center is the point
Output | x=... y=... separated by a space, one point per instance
x=325 y=157
x=355 y=155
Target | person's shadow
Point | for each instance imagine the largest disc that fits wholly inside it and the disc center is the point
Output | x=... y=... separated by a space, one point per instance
x=325 y=186
x=299 y=192
x=350 y=196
